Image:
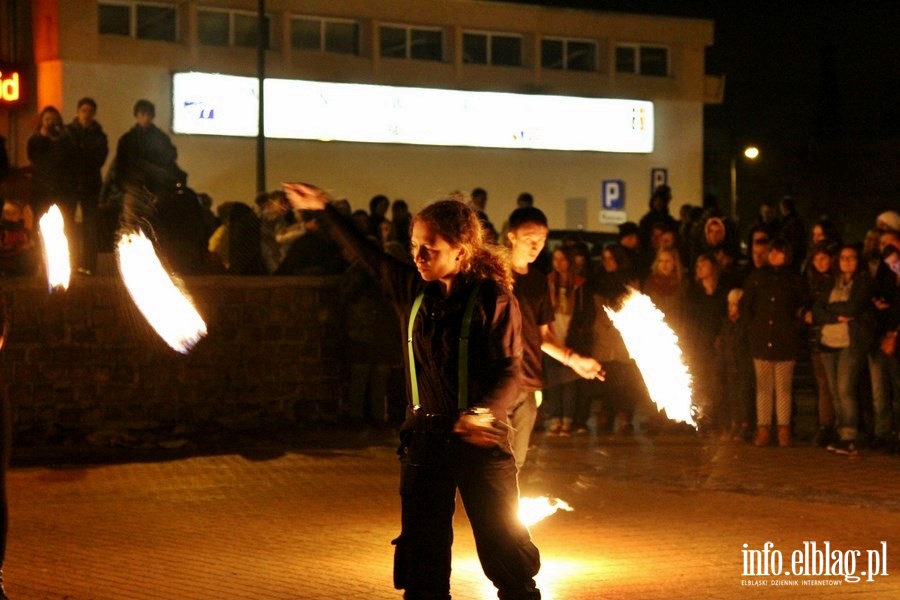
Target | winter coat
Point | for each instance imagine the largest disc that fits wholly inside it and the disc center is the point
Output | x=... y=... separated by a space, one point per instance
x=772 y=304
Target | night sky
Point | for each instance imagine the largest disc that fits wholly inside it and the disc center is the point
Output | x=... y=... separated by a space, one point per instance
x=815 y=84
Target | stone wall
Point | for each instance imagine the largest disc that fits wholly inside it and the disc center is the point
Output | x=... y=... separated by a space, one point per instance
x=84 y=364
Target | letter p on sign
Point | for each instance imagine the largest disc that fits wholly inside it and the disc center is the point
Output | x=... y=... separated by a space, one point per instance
x=613 y=194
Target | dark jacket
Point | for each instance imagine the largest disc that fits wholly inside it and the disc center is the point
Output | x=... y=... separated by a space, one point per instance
x=146 y=157
x=859 y=306
x=53 y=168
x=91 y=148
x=772 y=304
x=494 y=348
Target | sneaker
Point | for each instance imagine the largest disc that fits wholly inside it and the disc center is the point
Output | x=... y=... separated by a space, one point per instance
x=824 y=437
x=845 y=447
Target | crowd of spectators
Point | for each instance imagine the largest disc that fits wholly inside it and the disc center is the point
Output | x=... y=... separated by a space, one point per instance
x=747 y=306
x=746 y=311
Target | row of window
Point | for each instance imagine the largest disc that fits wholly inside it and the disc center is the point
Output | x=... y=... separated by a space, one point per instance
x=221 y=27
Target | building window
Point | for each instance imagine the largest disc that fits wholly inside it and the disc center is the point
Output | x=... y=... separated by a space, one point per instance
x=417 y=43
x=230 y=28
x=569 y=55
x=325 y=35
x=642 y=60
x=492 y=49
x=142 y=20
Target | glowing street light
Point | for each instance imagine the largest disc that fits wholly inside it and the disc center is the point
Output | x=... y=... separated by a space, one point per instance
x=750 y=153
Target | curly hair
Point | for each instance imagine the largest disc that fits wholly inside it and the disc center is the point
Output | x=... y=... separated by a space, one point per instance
x=458 y=223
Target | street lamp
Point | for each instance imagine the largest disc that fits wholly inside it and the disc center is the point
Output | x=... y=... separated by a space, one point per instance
x=750 y=153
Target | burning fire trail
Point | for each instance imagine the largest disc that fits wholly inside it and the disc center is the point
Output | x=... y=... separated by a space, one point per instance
x=654 y=346
x=164 y=306
x=534 y=510
x=56 y=249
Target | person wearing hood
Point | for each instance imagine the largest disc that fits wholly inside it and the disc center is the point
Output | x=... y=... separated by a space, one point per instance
x=658 y=213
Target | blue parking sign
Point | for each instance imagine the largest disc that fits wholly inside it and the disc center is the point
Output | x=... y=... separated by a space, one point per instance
x=613 y=194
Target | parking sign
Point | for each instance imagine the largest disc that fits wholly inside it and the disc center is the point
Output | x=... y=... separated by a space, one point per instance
x=613 y=194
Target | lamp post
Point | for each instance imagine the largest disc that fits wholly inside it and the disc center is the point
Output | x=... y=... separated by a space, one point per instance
x=750 y=153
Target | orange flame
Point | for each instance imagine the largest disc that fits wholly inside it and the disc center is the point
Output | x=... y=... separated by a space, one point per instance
x=654 y=347
x=164 y=306
x=534 y=510
x=56 y=249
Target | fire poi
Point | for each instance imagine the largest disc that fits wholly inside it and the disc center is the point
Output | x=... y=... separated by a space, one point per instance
x=534 y=510
x=161 y=302
x=654 y=347
x=57 y=263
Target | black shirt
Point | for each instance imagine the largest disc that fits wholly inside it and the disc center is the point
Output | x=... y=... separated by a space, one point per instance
x=532 y=290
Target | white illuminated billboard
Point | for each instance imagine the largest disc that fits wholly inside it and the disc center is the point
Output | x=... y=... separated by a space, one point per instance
x=212 y=104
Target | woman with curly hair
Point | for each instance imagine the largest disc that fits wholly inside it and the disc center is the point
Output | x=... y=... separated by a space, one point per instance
x=464 y=354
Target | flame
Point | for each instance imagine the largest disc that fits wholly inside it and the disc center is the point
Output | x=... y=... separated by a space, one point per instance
x=164 y=306
x=56 y=249
x=654 y=347
x=534 y=510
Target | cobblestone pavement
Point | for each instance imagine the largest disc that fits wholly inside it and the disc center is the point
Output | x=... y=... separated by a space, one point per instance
x=654 y=517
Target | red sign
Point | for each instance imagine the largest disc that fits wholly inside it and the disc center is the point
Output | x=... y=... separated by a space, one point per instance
x=12 y=85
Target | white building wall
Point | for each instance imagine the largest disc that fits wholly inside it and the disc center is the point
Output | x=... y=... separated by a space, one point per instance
x=563 y=183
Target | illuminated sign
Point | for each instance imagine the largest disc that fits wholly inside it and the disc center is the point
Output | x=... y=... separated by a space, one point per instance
x=11 y=84
x=212 y=104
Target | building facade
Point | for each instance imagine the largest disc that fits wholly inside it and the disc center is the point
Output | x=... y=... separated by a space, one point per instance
x=118 y=51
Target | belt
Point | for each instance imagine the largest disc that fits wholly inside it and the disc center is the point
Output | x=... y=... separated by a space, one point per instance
x=435 y=422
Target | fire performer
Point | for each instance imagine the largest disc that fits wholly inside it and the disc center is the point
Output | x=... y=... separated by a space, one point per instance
x=528 y=229
x=464 y=357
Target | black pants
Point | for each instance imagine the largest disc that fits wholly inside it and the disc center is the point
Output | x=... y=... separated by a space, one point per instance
x=433 y=466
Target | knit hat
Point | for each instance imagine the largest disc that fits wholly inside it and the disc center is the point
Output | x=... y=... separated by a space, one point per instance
x=888 y=220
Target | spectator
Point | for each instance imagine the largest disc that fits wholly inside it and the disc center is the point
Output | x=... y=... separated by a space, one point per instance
x=705 y=308
x=793 y=230
x=733 y=344
x=244 y=243
x=767 y=219
x=819 y=278
x=624 y=387
x=630 y=244
x=845 y=313
x=378 y=207
x=53 y=162
x=146 y=157
x=91 y=150
x=479 y=198
x=658 y=213
x=888 y=221
x=887 y=415
x=313 y=253
x=568 y=297
x=665 y=287
x=773 y=299
x=884 y=373
x=401 y=221
x=18 y=255
x=279 y=227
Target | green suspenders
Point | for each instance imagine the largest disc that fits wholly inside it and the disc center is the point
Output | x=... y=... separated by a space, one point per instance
x=463 y=401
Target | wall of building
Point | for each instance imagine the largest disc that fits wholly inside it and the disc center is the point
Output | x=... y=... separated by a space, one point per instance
x=225 y=167
x=75 y=61
x=84 y=362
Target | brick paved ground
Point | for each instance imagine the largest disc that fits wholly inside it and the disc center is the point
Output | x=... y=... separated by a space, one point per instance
x=655 y=517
